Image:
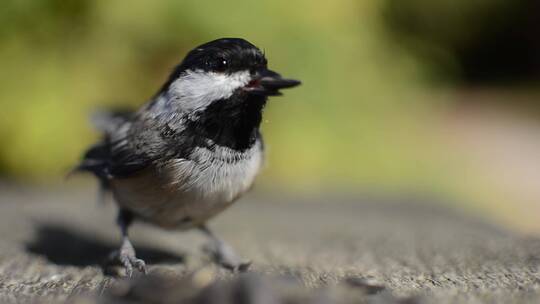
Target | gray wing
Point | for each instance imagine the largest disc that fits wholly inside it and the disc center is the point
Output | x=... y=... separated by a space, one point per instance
x=119 y=153
x=133 y=141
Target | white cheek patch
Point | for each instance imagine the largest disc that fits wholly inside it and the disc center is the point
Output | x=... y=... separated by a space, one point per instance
x=198 y=89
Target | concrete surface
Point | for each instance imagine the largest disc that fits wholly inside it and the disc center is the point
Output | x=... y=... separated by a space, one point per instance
x=323 y=250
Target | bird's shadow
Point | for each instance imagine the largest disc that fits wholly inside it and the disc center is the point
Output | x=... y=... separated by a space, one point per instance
x=64 y=246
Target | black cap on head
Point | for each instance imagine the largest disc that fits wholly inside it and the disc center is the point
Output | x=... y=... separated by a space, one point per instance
x=224 y=55
x=230 y=55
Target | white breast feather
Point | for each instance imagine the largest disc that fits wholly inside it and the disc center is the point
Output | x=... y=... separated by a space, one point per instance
x=219 y=175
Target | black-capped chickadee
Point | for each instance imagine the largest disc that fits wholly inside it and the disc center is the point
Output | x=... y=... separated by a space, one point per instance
x=193 y=149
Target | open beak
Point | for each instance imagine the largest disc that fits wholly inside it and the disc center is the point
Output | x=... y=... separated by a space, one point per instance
x=268 y=83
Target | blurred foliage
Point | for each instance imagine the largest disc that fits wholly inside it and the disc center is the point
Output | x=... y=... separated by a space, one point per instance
x=360 y=118
x=482 y=41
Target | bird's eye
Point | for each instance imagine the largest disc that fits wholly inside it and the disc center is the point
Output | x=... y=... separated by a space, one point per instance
x=221 y=65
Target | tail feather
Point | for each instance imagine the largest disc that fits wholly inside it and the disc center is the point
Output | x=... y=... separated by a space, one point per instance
x=107 y=121
x=97 y=158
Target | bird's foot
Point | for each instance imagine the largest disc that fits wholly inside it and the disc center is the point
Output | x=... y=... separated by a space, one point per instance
x=223 y=255
x=126 y=256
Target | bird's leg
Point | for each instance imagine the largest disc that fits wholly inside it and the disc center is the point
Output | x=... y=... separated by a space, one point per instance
x=126 y=254
x=222 y=253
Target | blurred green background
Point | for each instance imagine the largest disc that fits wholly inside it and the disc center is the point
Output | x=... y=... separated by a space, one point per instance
x=434 y=98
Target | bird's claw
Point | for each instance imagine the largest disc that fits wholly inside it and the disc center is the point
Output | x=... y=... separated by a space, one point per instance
x=126 y=256
x=130 y=261
x=224 y=256
x=239 y=267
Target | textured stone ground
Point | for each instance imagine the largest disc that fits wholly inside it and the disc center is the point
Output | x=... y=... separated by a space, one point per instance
x=339 y=250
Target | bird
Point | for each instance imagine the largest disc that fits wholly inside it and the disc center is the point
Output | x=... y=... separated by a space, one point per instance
x=191 y=150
